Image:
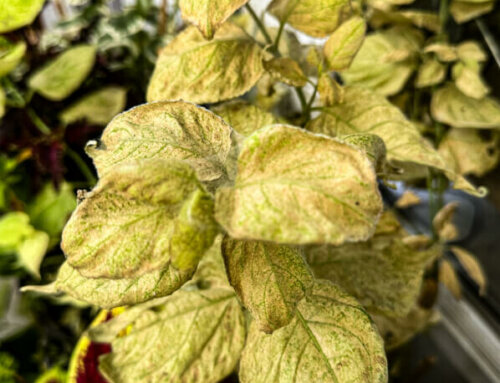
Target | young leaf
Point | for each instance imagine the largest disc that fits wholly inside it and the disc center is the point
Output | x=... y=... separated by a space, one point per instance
x=14 y=228
x=10 y=55
x=313 y=17
x=286 y=70
x=32 y=250
x=296 y=187
x=166 y=130
x=330 y=91
x=331 y=340
x=64 y=74
x=452 y=107
x=443 y=52
x=208 y=15
x=430 y=73
x=344 y=43
x=18 y=13
x=126 y=226
x=448 y=277
x=463 y=11
x=471 y=264
x=97 y=108
x=269 y=279
x=194 y=336
x=193 y=69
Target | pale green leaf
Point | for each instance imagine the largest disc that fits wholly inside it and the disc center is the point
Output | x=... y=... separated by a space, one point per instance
x=297 y=187
x=269 y=279
x=63 y=75
x=463 y=11
x=193 y=69
x=165 y=130
x=342 y=46
x=126 y=226
x=468 y=80
x=331 y=340
x=330 y=91
x=96 y=108
x=443 y=52
x=10 y=55
x=313 y=17
x=286 y=70
x=18 y=13
x=430 y=73
x=32 y=250
x=14 y=228
x=471 y=51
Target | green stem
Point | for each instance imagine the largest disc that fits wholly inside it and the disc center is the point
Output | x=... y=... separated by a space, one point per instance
x=41 y=126
x=302 y=98
x=443 y=17
x=307 y=111
x=81 y=165
x=278 y=36
x=19 y=101
x=259 y=24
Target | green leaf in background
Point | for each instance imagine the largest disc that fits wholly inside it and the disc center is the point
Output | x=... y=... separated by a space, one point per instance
x=286 y=70
x=8 y=367
x=63 y=75
x=269 y=279
x=331 y=340
x=10 y=55
x=32 y=250
x=193 y=69
x=53 y=375
x=98 y=107
x=126 y=226
x=18 y=13
x=297 y=187
x=166 y=130
x=14 y=228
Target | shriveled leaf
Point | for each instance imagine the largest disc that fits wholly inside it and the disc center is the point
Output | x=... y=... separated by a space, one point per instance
x=194 y=336
x=166 y=130
x=286 y=70
x=448 y=277
x=408 y=199
x=10 y=55
x=98 y=107
x=313 y=17
x=269 y=279
x=472 y=266
x=463 y=11
x=208 y=15
x=468 y=80
x=444 y=52
x=443 y=222
x=331 y=340
x=452 y=107
x=32 y=250
x=330 y=91
x=15 y=14
x=127 y=225
x=297 y=187
x=430 y=73
x=193 y=69
x=344 y=43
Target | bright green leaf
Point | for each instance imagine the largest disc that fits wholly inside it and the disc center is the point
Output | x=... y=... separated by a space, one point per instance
x=14 y=228
x=32 y=250
x=10 y=55
x=18 y=13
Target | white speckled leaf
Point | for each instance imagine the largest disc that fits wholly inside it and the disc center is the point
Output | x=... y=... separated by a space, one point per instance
x=297 y=187
x=331 y=340
x=286 y=70
x=18 y=13
x=10 y=55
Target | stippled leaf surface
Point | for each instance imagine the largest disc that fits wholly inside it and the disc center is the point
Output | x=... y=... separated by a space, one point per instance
x=269 y=279
x=316 y=18
x=10 y=55
x=64 y=74
x=18 y=13
x=208 y=15
x=331 y=340
x=128 y=225
x=297 y=187
x=194 y=69
x=286 y=70
x=166 y=130
x=330 y=91
x=193 y=336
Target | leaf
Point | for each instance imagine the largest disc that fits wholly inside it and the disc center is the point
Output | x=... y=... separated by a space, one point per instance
x=443 y=222
x=430 y=73
x=165 y=130
x=193 y=69
x=211 y=270
x=373 y=146
x=208 y=15
x=463 y=11
x=269 y=279
x=472 y=266
x=53 y=375
x=2 y=113
x=468 y=80
x=452 y=107
x=127 y=225
x=296 y=187
x=96 y=108
x=384 y=274
x=448 y=277
x=194 y=336
x=471 y=51
x=330 y=91
x=408 y=199
x=108 y=293
x=315 y=18
x=15 y=14
x=14 y=228
x=331 y=339
x=10 y=55
x=63 y=75
x=32 y=250
x=286 y=70
x=342 y=46
x=443 y=52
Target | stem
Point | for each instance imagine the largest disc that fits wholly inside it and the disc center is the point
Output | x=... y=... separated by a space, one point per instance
x=259 y=24
x=41 y=126
x=162 y=22
x=443 y=17
x=302 y=98
x=278 y=36
x=81 y=165
x=307 y=111
x=60 y=9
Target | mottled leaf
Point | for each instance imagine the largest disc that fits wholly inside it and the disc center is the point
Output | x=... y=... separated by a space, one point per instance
x=472 y=266
x=10 y=55
x=463 y=11
x=297 y=187
x=166 y=130
x=430 y=73
x=286 y=70
x=269 y=279
x=330 y=91
x=64 y=74
x=18 y=13
x=331 y=340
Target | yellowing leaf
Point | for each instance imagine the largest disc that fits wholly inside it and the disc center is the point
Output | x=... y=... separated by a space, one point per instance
x=471 y=51
x=471 y=264
x=297 y=187
x=15 y=14
x=208 y=15
x=408 y=199
x=463 y=11
x=193 y=69
x=468 y=80
x=330 y=91
x=191 y=336
x=10 y=55
x=64 y=74
x=331 y=340
x=97 y=108
x=32 y=250
x=448 y=277
x=165 y=130
x=269 y=279
x=211 y=269
x=444 y=52
x=344 y=43
x=430 y=73
x=443 y=222
x=127 y=225
x=452 y=107
x=286 y=70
